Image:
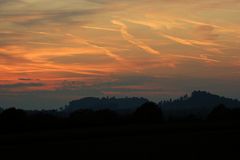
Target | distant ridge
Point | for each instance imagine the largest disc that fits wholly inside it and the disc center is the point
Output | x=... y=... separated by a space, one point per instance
x=199 y=103
x=105 y=103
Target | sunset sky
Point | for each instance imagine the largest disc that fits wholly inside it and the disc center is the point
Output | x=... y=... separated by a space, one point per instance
x=54 y=51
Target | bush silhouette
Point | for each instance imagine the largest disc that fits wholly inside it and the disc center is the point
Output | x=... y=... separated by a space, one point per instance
x=13 y=115
x=89 y=117
x=82 y=117
x=13 y=118
x=236 y=114
x=105 y=116
x=220 y=113
x=148 y=113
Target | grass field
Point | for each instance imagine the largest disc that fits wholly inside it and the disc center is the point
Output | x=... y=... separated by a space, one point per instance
x=188 y=140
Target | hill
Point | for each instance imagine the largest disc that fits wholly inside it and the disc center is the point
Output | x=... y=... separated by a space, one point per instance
x=116 y=104
x=200 y=103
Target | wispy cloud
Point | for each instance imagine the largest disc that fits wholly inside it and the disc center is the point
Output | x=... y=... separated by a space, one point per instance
x=101 y=28
x=203 y=58
x=20 y=85
x=153 y=25
x=92 y=44
x=199 y=23
x=24 y=79
x=189 y=42
x=48 y=17
x=162 y=23
x=8 y=58
x=131 y=39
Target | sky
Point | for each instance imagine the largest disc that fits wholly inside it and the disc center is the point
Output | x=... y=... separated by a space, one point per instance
x=55 y=51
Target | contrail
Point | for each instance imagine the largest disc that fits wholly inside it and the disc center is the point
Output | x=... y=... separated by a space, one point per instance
x=131 y=39
x=106 y=51
x=101 y=28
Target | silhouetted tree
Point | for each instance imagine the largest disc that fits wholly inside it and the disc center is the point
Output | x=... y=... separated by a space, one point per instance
x=90 y=117
x=13 y=118
x=220 y=113
x=44 y=120
x=149 y=112
x=106 y=116
x=82 y=117
x=13 y=114
x=190 y=118
x=236 y=114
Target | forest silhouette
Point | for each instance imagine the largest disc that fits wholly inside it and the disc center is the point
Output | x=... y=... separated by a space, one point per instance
x=212 y=121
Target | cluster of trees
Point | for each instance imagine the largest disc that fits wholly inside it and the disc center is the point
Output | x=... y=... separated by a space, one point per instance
x=13 y=119
x=113 y=103
x=223 y=114
x=149 y=113
x=199 y=103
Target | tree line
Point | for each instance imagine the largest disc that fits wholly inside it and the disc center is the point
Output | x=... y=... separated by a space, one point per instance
x=13 y=119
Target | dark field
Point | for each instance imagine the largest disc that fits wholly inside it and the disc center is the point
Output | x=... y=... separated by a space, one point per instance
x=185 y=140
x=144 y=133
